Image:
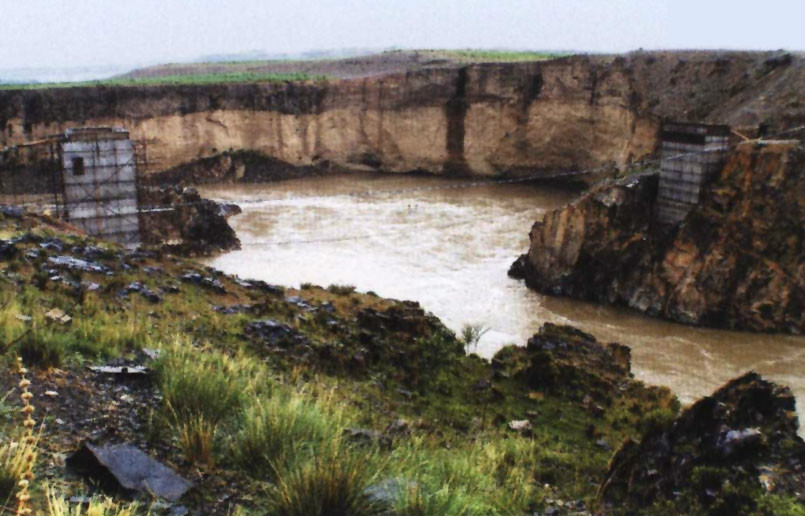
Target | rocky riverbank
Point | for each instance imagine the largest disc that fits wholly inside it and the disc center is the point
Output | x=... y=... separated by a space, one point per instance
x=201 y=371
x=737 y=261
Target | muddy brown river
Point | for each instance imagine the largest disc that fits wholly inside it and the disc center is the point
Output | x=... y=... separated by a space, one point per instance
x=449 y=247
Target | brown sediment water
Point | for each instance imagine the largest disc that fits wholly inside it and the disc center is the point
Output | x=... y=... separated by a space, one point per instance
x=449 y=247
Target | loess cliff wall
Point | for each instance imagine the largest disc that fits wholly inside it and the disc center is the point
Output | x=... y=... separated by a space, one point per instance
x=482 y=119
x=737 y=261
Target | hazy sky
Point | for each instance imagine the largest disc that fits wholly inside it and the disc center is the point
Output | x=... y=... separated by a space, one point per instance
x=44 y=33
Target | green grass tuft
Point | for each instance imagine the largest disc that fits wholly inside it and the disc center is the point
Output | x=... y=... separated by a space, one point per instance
x=332 y=483
x=278 y=431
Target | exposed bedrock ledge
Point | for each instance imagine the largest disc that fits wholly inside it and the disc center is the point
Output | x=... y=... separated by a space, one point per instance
x=737 y=261
x=721 y=452
x=485 y=119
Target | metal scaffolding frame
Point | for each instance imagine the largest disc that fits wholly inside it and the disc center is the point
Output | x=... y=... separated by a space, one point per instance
x=86 y=176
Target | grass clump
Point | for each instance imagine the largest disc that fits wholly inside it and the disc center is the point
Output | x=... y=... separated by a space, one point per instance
x=196 y=438
x=200 y=391
x=204 y=382
x=280 y=430
x=44 y=349
x=490 y=477
x=334 y=482
x=341 y=290
x=105 y=335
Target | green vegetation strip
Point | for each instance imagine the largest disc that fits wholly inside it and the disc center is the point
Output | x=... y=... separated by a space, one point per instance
x=504 y=56
x=172 y=80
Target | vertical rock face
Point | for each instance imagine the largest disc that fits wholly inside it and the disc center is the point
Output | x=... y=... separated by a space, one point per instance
x=482 y=119
x=737 y=261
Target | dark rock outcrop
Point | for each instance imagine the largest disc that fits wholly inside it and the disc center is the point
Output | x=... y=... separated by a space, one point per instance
x=186 y=223
x=563 y=360
x=717 y=456
x=244 y=166
x=737 y=261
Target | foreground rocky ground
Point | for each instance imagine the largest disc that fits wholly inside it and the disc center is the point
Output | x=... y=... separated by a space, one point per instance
x=737 y=261
x=328 y=401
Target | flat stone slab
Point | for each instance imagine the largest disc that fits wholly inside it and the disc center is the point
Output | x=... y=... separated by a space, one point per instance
x=126 y=467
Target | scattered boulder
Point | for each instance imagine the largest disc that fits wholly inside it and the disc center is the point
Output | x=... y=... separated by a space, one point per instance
x=260 y=285
x=137 y=287
x=522 y=426
x=365 y=436
x=78 y=265
x=273 y=333
x=14 y=212
x=566 y=358
x=125 y=370
x=232 y=309
x=299 y=303
x=204 y=281
x=398 y=427
x=58 y=316
x=386 y=492
x=7 y=250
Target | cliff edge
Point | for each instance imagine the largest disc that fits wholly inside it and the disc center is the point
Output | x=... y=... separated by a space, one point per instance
x=527 y=118
x=737 y=261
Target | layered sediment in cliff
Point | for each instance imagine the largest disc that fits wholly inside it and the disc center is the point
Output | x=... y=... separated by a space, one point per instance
x=483 y=119
x=737 y=261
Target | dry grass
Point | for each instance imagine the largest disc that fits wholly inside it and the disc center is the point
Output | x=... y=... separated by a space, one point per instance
x=58 y=506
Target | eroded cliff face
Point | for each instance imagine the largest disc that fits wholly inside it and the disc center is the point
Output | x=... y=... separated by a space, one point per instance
x=737 y=261
x=483 y=119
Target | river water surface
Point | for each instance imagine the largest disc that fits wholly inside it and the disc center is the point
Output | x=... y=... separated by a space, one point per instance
x=448 y=246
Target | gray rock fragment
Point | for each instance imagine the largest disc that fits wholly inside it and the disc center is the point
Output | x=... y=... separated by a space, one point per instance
x=127 y=468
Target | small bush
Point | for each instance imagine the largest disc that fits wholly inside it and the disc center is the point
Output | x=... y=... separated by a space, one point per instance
x=470 y=336
x=332 y=483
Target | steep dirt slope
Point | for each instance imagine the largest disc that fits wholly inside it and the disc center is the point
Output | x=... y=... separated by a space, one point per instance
x=483 y=119
x=737 y=261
